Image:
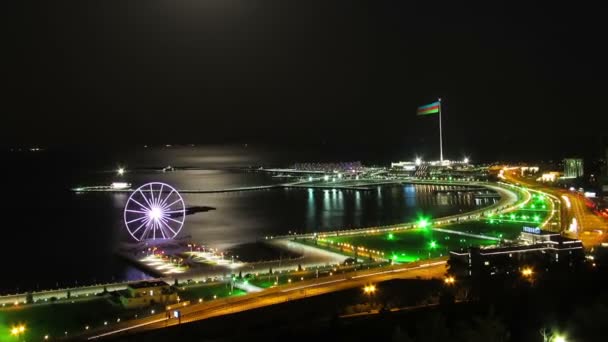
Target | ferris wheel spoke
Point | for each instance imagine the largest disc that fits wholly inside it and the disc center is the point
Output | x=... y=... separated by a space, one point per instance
x=144 y=196
x=160 y=194
x=137 y=219
x=151 y=194
x=145 y=232
x=162 y=204
x=174 y=211
x=174 y=220
x=170 y=205
x=141 y=205
x=136 y=211
x=168 y=226
x=138 y=228
x=162 y=231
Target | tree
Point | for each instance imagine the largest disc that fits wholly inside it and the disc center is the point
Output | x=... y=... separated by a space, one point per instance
x=400 y=336
x=488 y=328
x=240 y=274
x=299 y=267
x=270 y=271
x=433 y=328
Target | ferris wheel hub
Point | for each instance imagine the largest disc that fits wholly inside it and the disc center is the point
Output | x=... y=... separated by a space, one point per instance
x=154 y=211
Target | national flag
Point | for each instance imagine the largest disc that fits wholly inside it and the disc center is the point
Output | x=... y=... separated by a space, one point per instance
x=432 y=108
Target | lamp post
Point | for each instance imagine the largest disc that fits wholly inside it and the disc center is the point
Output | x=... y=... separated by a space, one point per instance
x=18 y=330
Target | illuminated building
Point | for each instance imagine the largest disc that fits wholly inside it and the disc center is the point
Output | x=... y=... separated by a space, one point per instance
x=542 y=249
x=147 y=293
x=573 y=168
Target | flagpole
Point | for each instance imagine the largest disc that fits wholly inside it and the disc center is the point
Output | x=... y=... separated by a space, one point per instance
x=440 y=134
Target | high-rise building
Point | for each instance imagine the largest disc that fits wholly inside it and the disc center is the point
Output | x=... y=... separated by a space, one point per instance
x=573 y=168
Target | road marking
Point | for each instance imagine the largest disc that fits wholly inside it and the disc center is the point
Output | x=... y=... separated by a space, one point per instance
x=125 y=329
x=312 y=285
x=400 y=269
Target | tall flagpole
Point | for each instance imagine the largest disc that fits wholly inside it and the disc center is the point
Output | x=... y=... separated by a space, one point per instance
x=440 y=134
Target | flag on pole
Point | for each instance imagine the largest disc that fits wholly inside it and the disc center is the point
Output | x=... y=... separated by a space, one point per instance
x=432 y=108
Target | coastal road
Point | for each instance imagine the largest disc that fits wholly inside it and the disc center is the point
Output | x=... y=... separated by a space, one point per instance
x=425 y=270
x=591 y=229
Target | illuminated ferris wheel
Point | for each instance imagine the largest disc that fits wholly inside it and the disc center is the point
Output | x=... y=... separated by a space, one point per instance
x=154 y=211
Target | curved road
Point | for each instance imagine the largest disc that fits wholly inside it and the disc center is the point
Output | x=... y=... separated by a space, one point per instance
x=424 y=270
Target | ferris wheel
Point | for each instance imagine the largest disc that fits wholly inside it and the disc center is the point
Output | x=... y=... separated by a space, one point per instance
x=154 y=211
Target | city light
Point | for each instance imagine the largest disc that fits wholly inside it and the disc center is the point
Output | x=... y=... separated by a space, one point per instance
x=567 y=201
x=450 y=280
x=527 y=272
x=120 y=171
x=369 y=289
x=558 y=338
x=423 y=222
x=418 y=161
x=18 y=330
x=433 y=244
x=466 y=160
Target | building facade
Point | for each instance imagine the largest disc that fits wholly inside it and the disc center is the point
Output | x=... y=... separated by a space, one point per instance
x=573 y=168
x=146 y=293
x=537 y=248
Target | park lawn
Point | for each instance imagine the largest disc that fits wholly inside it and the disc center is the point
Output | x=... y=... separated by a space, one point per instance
x=409 y=245
x=55 y=319
x=208 y=291
x=510 y=225
x=268 y=280
x=504 y=230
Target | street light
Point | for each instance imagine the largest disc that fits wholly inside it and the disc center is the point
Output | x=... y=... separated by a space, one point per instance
x=450 y=280
x=120 y=171
x=527 y=272
x=423 y=223
x=369 y=289
x=18 y=330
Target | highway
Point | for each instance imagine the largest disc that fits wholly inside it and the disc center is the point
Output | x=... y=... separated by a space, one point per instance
x=590 y=228
x=426 y=270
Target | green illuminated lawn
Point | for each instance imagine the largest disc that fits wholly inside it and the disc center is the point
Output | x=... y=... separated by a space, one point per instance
x=409 y=245
x=207 y=292
x=504 y=230
x=54 y=319
x=267 y=281
x=417 y=244
x=510 y=225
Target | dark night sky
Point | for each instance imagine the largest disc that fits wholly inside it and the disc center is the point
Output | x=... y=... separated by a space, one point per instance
x=318 y=71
